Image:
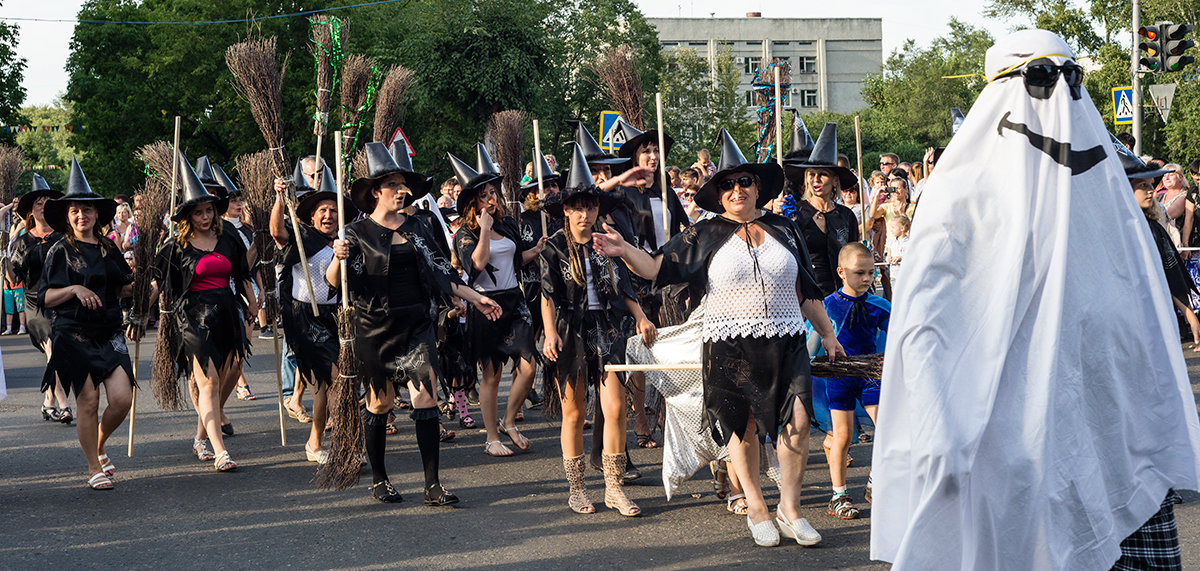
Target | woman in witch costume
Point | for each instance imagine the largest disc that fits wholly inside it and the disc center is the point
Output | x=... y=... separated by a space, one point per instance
x=196 y=269
x=28 y=255
x=83 y=280
x=395 y=277
x=755 y=271
x=588 y=309
x=490 y=247
x=313 y=339
x=825 y=224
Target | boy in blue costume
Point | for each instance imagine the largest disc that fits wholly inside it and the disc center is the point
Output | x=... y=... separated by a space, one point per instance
x=861 y=321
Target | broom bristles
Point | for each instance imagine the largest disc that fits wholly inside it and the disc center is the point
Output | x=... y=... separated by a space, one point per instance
x=396 y=83
x=617 y=69
x=356 y=79
x=148 y=220
x=258 y=185
x=164 y=377
x=347 y=445
x=10 y=169
x=259 y=78
x=322 y=49
x=358 y=164
x=858 y=366
x=506 y=129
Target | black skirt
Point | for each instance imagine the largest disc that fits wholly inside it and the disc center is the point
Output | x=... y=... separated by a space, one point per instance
x=211 y=329
x=314 y=340
x=755 y=375
x=78 y=353
x=598 y=340
x=458 y=370
x=494 y=343
x=37 y=324
x=395 y=346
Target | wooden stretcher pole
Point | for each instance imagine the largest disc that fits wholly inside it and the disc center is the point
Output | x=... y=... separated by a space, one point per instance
x=862 y=213
x=662 y=170
x=652 y=367
x=778 y=119
x=137 y=356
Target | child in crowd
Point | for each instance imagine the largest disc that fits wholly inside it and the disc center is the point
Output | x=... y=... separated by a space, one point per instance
x=861 y=320
x=897 y=243
x=14 y=303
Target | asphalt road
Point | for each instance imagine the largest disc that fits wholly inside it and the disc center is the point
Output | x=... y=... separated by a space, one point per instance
x=171 y=511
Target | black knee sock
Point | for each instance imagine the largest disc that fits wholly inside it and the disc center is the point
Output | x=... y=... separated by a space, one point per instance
x=376 y=437
x=425 y=423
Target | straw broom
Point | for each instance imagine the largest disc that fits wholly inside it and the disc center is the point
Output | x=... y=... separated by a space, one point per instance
x=506 y=130
x=258 y=184
x=396 y=82
x=164 y=374
x=328 y=35
x=259 y=80
x=617 y=69
x=148 y=220
x=359 y=81
x=347 y=444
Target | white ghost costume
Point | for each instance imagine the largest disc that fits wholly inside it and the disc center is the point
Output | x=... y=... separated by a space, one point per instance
x=1018 y=426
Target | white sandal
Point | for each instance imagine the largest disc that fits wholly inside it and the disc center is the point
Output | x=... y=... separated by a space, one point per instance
x=99 y=481
x=106 y=465
x=223 y=463
x=800 y=530
x=487 y=449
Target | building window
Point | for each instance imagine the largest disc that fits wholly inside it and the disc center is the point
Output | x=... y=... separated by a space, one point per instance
x=754 y=43
x=804 y=43
x=697 y=43
x=752 y=64
x=750 y=101
x=777 y=43
x=668 y=44
x=806 y=64
x=808 y=97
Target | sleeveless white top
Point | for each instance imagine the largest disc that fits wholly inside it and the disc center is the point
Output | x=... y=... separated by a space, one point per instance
x=752 y=292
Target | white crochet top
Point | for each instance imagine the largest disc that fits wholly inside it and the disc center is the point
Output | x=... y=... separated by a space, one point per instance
x=752 y=292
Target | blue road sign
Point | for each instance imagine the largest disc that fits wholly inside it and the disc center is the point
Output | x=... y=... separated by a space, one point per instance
x=1122 y=105
x=608 y=120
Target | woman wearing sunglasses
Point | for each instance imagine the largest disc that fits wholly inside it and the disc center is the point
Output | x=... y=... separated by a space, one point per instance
x=825 y=224
x=756 y=270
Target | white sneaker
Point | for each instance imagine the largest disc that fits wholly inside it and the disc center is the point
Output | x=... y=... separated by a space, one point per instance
x=765 y=534
x=800 y=530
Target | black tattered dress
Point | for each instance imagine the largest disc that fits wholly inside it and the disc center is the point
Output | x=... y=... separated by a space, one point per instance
x=493 y=343
x=754 y=355
x=824 y=246
x=396 y=289
x=86 y=341
x=1178 y=280
x=591 y=317
x=209 y=316
x=28 y=257
x=313 y=339
x=638 y=219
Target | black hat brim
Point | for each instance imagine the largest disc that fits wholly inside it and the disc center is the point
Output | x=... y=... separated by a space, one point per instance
x=770 y=178
x=532 y=186
x=794 y=171
x=360 y=189
x=25 y=204
x=56 y=211
x=630 y=147
x=307 y=204
x=1155 y=174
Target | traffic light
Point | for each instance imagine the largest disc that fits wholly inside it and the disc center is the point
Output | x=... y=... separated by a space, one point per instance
x=1151 y=49
x=1174 y=45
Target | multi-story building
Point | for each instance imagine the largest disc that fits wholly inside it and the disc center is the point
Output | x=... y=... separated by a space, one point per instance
x=830 y=57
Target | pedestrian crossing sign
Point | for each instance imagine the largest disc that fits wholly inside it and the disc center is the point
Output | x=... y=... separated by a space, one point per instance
x=1122 y=105
x=610 y=137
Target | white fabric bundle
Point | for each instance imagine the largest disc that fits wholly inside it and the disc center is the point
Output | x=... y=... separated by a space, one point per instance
x=1018 y=427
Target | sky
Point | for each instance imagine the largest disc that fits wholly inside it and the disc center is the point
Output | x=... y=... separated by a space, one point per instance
x=45 y=45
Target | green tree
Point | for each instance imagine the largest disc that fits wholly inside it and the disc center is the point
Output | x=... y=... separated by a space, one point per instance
x=12 y=73
x=686 y=83
x=727 y=108
x=1062 y=17
x=47 y=147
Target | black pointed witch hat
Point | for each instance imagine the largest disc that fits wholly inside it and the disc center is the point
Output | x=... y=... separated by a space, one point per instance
x=483 y=161
x=591 y=149
x=802 y=141
x=1134 y=166
x=578 y=183
x=380 y=165
x=78 y=190
x=634 y=138
x=824 y=155
x=194 y=192
x=417 y=182
x=472 y=181
x=40 y=188
x=229 y=188
x=769 y=174
x=548 y=177
x=204 y=172
x=307 y=198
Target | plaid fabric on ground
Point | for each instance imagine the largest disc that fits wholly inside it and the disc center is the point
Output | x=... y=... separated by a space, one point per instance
x=1155 y=545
